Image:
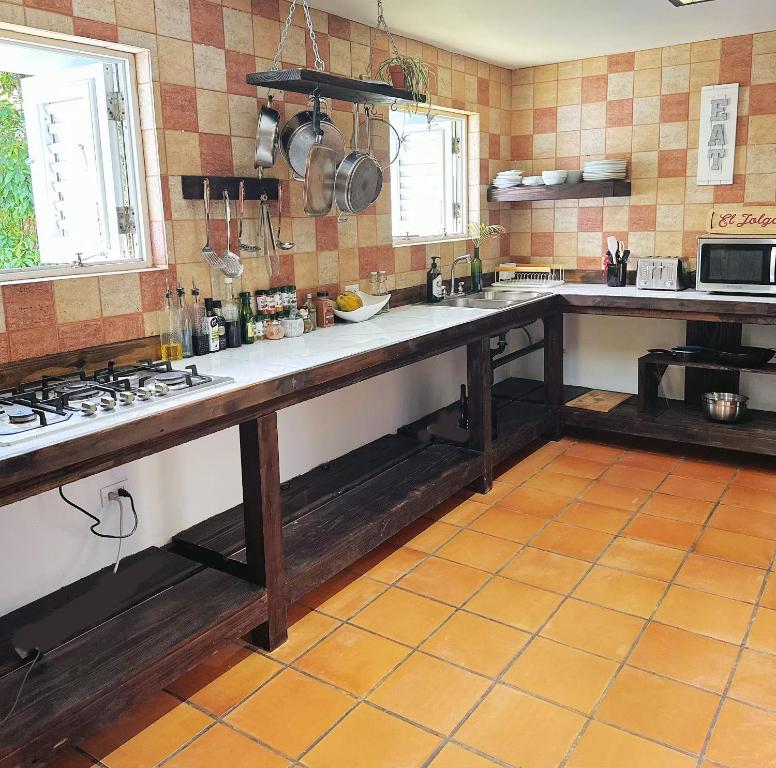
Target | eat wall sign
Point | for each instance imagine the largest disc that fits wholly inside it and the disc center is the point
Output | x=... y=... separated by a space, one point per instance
x=717 y=144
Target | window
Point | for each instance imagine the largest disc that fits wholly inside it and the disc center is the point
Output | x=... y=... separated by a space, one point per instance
x=72 y=194
x=428 y=179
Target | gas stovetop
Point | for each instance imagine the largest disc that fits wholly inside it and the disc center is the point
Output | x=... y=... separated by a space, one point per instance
x=57 y=402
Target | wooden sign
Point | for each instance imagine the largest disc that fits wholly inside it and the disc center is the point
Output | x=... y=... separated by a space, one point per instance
x=717 y=142
x=744 y=220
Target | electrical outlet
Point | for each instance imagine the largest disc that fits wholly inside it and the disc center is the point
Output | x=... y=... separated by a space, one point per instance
x=352 y=287
x=105 y=502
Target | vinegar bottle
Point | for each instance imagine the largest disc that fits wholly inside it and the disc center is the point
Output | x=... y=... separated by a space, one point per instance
x=170 y=334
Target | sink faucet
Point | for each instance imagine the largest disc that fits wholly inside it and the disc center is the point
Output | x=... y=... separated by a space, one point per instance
x=467 y=259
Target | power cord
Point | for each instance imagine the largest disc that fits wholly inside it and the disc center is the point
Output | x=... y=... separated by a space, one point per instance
x=7 y=717
x=122 y=492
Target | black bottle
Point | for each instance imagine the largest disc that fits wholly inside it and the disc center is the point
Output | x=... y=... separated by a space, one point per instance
x=221 y=324
x=433 y=283
x=211 y=324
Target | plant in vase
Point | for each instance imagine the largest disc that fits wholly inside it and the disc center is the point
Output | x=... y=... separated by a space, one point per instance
x=406 y=73
x=480 y=233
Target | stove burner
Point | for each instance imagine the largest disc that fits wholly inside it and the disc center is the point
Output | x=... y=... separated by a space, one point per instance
x=20 y=414
x=76 y=390
x=171 y=377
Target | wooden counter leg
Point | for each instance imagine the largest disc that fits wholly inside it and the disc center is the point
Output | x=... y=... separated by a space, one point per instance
x=480 y=383
x=263 y=524
x=553 y=366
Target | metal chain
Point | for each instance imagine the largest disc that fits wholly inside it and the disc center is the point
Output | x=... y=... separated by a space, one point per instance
x=319 y=64
x=381 y=24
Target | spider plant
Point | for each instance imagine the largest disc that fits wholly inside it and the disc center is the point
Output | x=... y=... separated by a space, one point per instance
x=407 y=73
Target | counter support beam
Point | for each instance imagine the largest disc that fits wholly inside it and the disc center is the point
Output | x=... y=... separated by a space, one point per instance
x=479 y=372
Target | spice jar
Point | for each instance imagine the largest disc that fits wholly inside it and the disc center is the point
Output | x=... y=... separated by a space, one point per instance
x=273 y=330
x=324 y=310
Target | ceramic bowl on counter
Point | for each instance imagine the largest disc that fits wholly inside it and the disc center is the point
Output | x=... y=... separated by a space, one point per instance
x=554 y=177
x=371 y=306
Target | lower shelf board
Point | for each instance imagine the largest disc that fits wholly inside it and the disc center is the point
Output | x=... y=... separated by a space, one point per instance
x=336 y=533
x=78 y=686
x=518 y=425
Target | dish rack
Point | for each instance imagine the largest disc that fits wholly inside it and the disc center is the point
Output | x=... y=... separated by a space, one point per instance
x=516 y=276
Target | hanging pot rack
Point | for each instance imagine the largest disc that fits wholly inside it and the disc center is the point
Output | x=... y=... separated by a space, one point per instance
x=324 y=84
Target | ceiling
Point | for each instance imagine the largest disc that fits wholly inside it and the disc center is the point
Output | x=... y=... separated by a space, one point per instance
x=516 y=33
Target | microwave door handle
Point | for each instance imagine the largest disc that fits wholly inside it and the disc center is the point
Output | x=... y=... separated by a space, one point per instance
x=773 y=265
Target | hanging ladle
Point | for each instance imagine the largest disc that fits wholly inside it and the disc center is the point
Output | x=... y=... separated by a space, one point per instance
x=282 y=244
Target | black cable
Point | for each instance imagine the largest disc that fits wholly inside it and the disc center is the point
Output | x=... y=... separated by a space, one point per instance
x=21 y=688
x=121 y=492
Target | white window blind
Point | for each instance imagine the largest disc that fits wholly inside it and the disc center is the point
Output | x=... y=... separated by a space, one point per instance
x=69 y=139
x=428 y=179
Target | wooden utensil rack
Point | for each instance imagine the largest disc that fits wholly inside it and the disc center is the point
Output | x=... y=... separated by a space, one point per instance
x=255 y=189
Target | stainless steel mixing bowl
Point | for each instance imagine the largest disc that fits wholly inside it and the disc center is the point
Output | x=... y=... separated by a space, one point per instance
x=724 y=406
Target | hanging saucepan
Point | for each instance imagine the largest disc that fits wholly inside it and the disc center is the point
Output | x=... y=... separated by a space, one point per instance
x=267 y=134
x=359 y=176
x=298 y=135
x=320 y=171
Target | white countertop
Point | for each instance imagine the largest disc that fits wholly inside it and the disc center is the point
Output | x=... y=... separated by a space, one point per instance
x=600 y=289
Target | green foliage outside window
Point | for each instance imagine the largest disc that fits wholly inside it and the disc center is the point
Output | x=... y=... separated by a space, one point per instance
x=18 y=238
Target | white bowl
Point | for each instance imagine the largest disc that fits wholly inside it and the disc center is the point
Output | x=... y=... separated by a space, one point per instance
x=554 y=177
x=372 y=305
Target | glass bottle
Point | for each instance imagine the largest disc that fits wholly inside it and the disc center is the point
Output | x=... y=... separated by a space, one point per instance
x=199 y=330
x=310 y=321
x=211 y=326
x=246 y=318
x=382 y=283
x=476 y=271
x=231 y=314
x=170 y=330
x=221 y=323
x=187 y=341
x=374 y=284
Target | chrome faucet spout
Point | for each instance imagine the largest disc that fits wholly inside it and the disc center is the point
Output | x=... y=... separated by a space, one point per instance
x=467 y=258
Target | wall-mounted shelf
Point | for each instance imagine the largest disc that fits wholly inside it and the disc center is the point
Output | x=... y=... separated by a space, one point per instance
x=193 y=186
x=584 y=189
x=331 y=86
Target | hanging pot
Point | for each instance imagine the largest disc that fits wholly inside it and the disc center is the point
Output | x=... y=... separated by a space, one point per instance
x=267 y=134
x=359 y=176
x=398 y=78
x=299 y=135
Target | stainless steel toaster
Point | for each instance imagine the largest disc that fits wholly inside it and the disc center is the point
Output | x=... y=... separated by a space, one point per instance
x=659 y=275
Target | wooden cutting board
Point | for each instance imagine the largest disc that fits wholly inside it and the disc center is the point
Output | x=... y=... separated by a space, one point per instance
x=598 y=400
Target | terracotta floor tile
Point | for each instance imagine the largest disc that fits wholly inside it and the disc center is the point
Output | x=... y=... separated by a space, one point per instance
x=403 y=616
x=744 y=737
x=689 y=488
x=343 y=595
x=705 y=614
x=430 y=692
x=677 y=508
x=591 y=628
x=368 y=738
x=147 y=733
x=572 y=541
x=503 y=522
x=379 y=553
x=641 y=557
x=633 y=477
x=352 y=659
x=461 y=512
x=444 y=580
x=602 y=746
x=520 y=730
x=721 y=577
x=557 y=484
x=768 y=598
x=661 y=530
x=453 y=756
x=316 y=707
x=756 y=478
x=222 y=746
x=228 y=676
x=751 y=498
x=621 y=591
x=594 y=516
x=513 y=603
x=657 y=462
x=595 y=451
x=736 y=547
x=499 y=489
x=476 y=643
x=532 y=501
x=755 y=680
x=577 y=467
x=479 y=550
x=685 y=656
x=562 y=674
x=751 y=522
x=660 y=709
x=606 y=494
x=546 y=570
x=705 y=470
x=763 y=634
x=519 y=473
x=432 y=537
x=394 y=565
x=303 y=633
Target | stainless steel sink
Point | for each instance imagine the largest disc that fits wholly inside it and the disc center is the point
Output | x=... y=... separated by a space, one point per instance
x=491 y=299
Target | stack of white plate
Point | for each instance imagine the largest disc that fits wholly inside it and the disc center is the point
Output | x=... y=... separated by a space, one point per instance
x=506 y=179
x=601 y=170
x=554 y=177
x=533 y=181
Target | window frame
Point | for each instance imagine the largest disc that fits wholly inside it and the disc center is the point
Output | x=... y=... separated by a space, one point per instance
x=460 y=118
x=141 y=131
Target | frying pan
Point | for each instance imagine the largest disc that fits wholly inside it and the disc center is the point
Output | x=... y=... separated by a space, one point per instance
x=298 y=135
x=746 y=356
x=320 y=171
x=267 y=134
x=684 y=353
x=359 y=176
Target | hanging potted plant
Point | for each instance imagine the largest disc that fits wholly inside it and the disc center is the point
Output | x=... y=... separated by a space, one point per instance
x=480 y=233
x=406 y=73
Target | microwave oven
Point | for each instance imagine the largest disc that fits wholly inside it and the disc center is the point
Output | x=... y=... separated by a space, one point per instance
x=736 y=265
